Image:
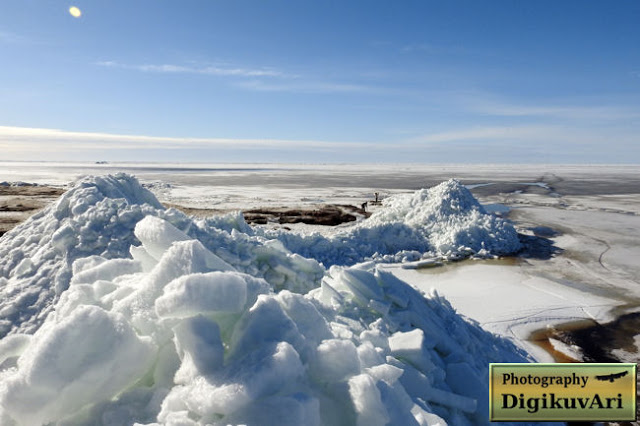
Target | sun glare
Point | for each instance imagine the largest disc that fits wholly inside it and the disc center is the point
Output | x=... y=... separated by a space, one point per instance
x=75 y=12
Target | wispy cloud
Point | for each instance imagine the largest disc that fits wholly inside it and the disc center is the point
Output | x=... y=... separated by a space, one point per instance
x=555 y=137
x=21 y=139
x=435 y=49
x=263 y=79
x=565 y=112
x=472 y=144
x=588 y=111
x=7 y=37
x=214 y=70
x=256 y=79
x=421 y=47
x=309 y=87
x=477 y=134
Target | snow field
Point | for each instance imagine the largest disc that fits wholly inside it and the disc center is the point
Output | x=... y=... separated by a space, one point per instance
x=138 y=314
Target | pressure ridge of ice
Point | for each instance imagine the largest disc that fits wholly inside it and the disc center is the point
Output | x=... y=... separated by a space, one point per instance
x=445 y=220
x=116 y=311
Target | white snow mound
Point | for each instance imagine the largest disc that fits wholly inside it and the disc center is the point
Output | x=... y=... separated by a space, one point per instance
x=140 y=315
x=443 y=221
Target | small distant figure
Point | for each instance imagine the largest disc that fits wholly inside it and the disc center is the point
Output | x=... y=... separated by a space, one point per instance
x=364 y=206
x=376 y=194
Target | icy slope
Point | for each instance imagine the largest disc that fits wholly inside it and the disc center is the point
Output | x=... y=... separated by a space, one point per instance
x=139 y=314
x=442 y=221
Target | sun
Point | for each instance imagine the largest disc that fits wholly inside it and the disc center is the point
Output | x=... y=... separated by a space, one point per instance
x=75 y=12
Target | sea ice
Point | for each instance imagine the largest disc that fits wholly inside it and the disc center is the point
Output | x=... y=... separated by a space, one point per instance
x=86 y=358
x=202 y=293
x=443 y=221
x=130 y=313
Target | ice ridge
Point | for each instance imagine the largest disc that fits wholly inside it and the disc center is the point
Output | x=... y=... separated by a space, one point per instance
x=118 y=311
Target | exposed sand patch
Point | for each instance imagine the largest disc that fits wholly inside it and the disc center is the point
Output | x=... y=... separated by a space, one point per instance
x=19 y=202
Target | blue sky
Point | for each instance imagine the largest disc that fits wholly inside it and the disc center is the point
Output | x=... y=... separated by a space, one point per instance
x=321 y=81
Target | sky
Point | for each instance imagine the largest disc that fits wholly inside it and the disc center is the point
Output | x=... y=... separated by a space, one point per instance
x=420 y=81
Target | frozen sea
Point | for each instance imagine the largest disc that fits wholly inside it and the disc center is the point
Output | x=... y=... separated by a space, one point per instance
x=580 y=227
x=589 y=214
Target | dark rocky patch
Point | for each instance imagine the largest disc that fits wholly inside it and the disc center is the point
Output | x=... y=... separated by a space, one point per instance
x=597 y=341
x=328 y=215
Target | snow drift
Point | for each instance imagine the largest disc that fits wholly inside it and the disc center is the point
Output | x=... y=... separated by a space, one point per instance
x=116 y=311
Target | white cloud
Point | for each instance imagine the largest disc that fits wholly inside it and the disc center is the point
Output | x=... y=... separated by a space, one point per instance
x=7 y=37
x=522 y=143
x=554 y=137
x=591 y=110
x=309 y=87
x=421 y=47
x=26 y=139
x=473 y=134
x=213 y=70
x=258 y=79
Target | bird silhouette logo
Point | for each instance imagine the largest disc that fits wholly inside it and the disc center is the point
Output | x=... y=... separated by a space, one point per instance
x=611 y=377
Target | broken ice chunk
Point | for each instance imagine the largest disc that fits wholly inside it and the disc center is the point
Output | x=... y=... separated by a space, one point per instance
x=203 y=293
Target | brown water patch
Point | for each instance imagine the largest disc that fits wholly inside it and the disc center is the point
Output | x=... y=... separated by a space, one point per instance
x=600 y=340
x=597 y=342
x=542 y=338
x=449 y=265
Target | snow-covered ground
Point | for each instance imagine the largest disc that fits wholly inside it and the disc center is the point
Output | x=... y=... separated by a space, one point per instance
x=512 y=301
x=116 y=310
x=240 y=186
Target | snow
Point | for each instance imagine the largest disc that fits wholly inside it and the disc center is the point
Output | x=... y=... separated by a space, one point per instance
x=367 y=401
x=203 y=294
x=520 y=301
x=571 y=351
x=443 y=221
x=335 y=360
x=36 y=258
x=628 y=355
x=157 y=235
x=131 y=313
x=413 y=348
x=199 y=346
x=89 y=356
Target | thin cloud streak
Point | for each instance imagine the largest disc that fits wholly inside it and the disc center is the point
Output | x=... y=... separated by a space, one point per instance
x=477 y=104
x=15 y=139
x=450 y=146
x=543 y=135
x=309 y=87
x=259 y=79
x=431 y=49
x=7 y=37
x=476 y=133
x=207 y=70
